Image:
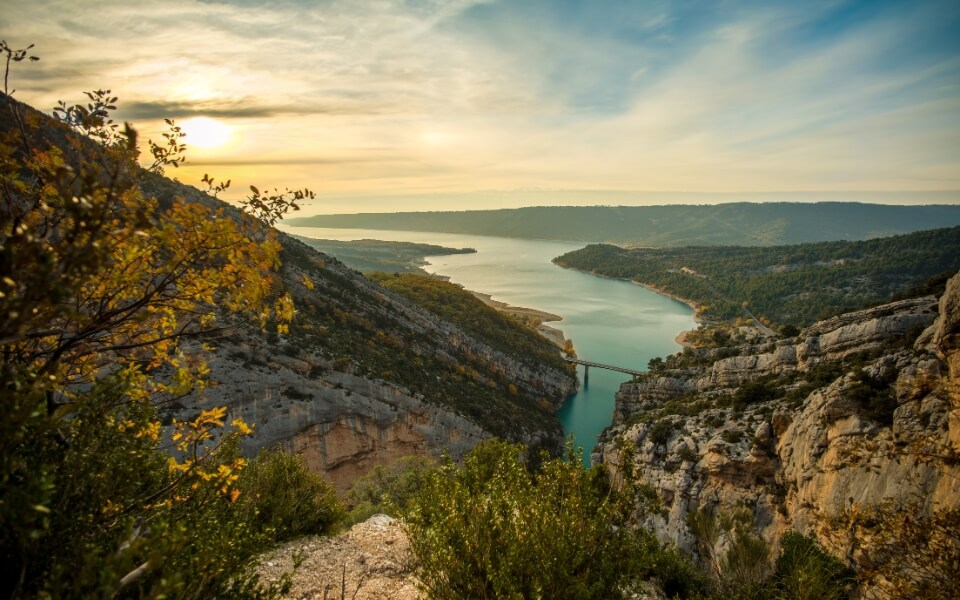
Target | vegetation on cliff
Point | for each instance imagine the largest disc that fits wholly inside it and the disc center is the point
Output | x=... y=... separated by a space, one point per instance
x=456 y=305
x=840 y=432
x=115 y=284
x=786 y=285
x=100 y=283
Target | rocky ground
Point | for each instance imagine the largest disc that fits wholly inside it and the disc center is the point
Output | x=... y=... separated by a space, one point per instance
x=853 y=412
x=370 y=561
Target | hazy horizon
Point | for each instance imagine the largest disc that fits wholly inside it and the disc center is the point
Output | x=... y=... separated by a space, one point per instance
x=498 y=199
x=400 y=105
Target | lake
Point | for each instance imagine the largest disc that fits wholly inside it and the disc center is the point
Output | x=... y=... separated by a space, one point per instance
x=610 y=321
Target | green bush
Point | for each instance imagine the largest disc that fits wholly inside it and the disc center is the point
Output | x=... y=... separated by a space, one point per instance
x=686 y=454
x=755 y=392
x=732 y=436
x=389 y=489
x=805 y=572
x=491 y=529
x=284 y=499
x=661 y=431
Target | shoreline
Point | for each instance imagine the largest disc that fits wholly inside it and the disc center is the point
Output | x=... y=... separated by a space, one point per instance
x=553 y=334
x=681 y=338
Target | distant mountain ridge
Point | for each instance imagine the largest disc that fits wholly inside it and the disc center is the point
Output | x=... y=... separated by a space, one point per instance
x=740 y=223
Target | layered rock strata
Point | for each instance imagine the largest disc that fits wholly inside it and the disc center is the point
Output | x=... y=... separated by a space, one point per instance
x=857 y=411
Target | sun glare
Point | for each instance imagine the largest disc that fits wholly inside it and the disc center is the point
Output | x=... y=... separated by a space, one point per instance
x=204 y=132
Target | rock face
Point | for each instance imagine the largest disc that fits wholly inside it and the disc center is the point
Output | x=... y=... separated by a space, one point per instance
x=366 y=376
x=341 y=424
x=800 y=430
x=343 y=419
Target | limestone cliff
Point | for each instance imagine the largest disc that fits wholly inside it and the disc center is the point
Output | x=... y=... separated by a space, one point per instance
x=366 y=376
x=855 y=411
x=363 y=375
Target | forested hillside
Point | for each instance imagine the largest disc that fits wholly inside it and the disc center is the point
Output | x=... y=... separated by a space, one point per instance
x=741 y=223
x=378 y=255
x=793 y=285
x=451 y=302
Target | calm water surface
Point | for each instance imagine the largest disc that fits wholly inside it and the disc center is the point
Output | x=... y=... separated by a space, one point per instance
x=609 y=321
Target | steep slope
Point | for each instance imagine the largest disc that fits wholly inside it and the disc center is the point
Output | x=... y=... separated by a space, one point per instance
x=363 y=375
x=736 y=223
x=860 y=412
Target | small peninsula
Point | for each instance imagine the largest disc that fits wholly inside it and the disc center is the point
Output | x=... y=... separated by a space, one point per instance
x=368 y=256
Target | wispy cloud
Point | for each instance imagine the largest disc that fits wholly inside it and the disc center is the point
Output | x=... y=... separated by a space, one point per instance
x=463 y=95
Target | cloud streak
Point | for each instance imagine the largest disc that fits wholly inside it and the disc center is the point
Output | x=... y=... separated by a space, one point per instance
x=465 y=95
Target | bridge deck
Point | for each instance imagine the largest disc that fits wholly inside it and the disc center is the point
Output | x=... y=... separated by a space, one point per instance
x=590 y=363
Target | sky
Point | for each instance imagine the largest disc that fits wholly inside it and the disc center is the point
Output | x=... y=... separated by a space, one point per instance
x=390 y=105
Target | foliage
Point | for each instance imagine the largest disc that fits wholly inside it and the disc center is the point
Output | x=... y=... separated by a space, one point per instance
x=875 y=395
x=755 y=391
x=12 y=55
x=287 y=499
x=389 y=489
x=172 y=153
x=736 y=557
x=790 y=285
x=661 y=431
x=803 y=571
x=909 y=554
x=270 y=207
x=739 y=561
x=99 y=284
x=491 y=529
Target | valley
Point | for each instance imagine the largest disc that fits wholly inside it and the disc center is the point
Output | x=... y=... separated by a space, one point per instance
x=415 y=352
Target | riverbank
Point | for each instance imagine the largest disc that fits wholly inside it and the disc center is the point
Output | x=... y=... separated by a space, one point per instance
x=534 y=317
x=681 y=338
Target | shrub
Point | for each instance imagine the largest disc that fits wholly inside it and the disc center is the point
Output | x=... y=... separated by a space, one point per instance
x=389 y=489
x=875 y=395
x=686 y=454
x=661 y=431
x=732 y=436
x=755 y=392
x=284 y=499
x=493 y=529
x=805 y=572
x=100 y=283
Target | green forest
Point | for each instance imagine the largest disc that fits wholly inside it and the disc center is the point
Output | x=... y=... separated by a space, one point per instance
x=789 y=285
x=378 y=255
x=735 y=223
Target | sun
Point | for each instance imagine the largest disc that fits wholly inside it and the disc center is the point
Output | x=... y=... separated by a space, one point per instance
x=204 y=132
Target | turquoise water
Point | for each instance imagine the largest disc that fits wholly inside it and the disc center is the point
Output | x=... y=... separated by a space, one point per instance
x=609 y=321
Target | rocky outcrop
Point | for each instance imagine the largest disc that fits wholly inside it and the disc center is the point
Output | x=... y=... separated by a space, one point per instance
x=857 y=410
x=863 y=330
x=340 y=423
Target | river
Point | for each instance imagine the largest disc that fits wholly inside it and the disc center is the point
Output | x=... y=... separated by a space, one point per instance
x=610 y=321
